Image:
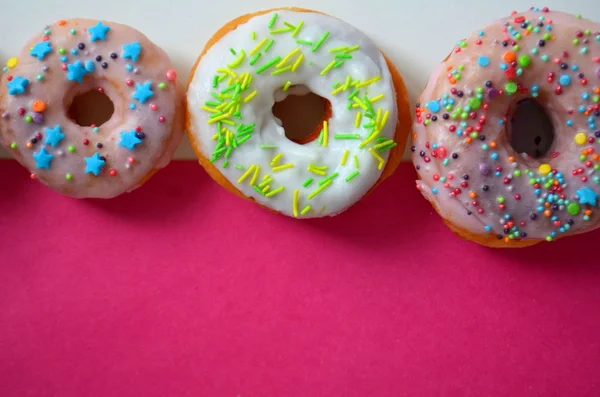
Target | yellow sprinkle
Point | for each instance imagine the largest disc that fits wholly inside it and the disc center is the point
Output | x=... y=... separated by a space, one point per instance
x=282 y=167
x=384 y=120
x=266 y=188
x=287 y=58
x=378 y=157
x=266 y=180
x=370 y=139
x=221 y=106
x=378 y=117
x=298 y=29
x=376 y=98
x=305 y=210
x=245 y=175
x=249 y=80
x=228 y=137
x=347 y=83
x=320 y=189
x=318 y=167
x=12 y=62
x=250 y=96
x=317 y=171
x=282 y=70
x=228 y=122
x=229 y=72
x=274 y=192
x=257 y=48
x=221 y=117
x=356 y=161
x=286 y=85
x=580 y=138
x=353 y=48
x=327 y=68
x=295 y=203
x=255 y=176
x=210 y=110
x=214 y=137
x=325 y=133
x=246 y=80
x=238 y=61
x=338 y=49
x=338 y=90
x=345 y=157
x=382 y=144
x=545 y=169
x=368 y=82
x=276 y=159
x=357 y=120
x=360 y=103
x=297 y=63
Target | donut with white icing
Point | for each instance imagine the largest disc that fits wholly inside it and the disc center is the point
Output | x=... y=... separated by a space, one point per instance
x=486 y=189
x=259 y=59
x=72 y=58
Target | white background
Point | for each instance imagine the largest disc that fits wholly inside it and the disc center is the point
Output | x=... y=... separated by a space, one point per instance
x=415 y=35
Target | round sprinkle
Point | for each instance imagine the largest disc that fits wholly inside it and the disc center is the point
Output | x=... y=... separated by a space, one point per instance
x=483 y=61
x=12 y=62
x=510 y=87
x=38 y=106
x=434 y=106
x=71 y=149
x=545 y=169
x=524 y=60
x=565 y=80
x=68 y=177
x=573 y=209
x=171 y=75
x=580 y=138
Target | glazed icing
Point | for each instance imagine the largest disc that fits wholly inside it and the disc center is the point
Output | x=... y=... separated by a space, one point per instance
x=70 y=58
x=329 y=57
x=461 y=150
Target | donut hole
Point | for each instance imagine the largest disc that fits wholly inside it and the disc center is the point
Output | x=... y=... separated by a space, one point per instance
x=302 y=114
x=91 y=108
x=531 y=130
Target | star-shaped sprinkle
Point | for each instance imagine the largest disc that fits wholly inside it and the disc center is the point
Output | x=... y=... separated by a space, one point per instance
x=129 y=140
x=43 y=159
x=143 y=92
x=76 y=71
x=587 y=196
x=98 y=32
x=132 y=51
x=17 y=85
x=54 y=136
x=94 y=164
x=40 y=50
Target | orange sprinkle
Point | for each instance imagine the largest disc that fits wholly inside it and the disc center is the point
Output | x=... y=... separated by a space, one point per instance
x=597 y=90
x=588 y=212
x=468 y=140
x=597 y=157
x=472 y=194
x=38 y=106
x=452 y=80
x=449 y=67
x=62 y=22
x=511 y=159
x=29 y=145
x=493 y=144
x=527 y=33
x=506 y=240
x=547 y=205
x=547 y=213
x=509 y=56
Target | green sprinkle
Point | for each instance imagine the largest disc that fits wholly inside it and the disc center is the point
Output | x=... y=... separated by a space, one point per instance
x=352 y=176
x=73 y=31
x=40 y=77
x=510 y=87
x=307 y=182
x=232 y=51
x=268 y=146
x=272 y=21
x=282 y=30
x=305 y=210
x=356 y=161
x=500 y=199
x=347 y=136
x=524 y=60
x=282 y=70
x=573 y=209
x=338 y=64
x=305 y=42
x=226 y=163
x=13 y=145
x=327 y=68
x=255 y=58
x=327 y=179
x=353 y=94
x=28 y=119
x=253 y=35
x=239 y=167
x=62 y=51
x=258 y=190
x=162 y=86
x=268 y=65
x=343 y=56
x=297 y=30
x=320 y=189
x=269 y=44
x=71 y=149
x=68 y=177
x=319 y=42
x=353 y=48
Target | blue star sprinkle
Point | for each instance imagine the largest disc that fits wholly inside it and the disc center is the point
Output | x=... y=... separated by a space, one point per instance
x=40 y=50
x=76 y=71
x=143 y=92
x=43 y=159
x=132 y=51
x=98 y=32
x=54 y=136
x=94 y=164
x=129 y=140
x=587 y=196
x=17 y=85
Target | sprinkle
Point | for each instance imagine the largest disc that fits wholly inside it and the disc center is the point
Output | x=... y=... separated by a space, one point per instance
x=282 y=167
x=282 y=70
x=287 y=57
x=329 y=178
x=297 y=30
x=344 y=157
x=253 y=35
x=269 y=44
x=376 y=98
x=258 y=46
x=276 y=159
x=325 y=133
x=250 y=96
x=283 y=30
x=255 y=176
x=297 y=63
x=356 y=161
x=353 y=48
x=580 y=138
x=347 y=136
x=305 y=210
x=307 y=182
x=268 y=146
x=268 y=65
x=274 y=192
x=319 y=42
x=246 y=174
x=304 y=42
x=316 y=171
x=378 y=157
x=272 y=21
x=483 y=61
x=545 y=169
x=320 y=189
x=286 y=85
x=238 y=61
x=352 y=176
x=295 y=203
x=357 y=119
x=368 y=82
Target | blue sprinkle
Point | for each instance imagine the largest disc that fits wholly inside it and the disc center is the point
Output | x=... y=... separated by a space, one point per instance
x=553 y=234
x=581 y=109
x=488 y=228
x=535 y=88
x=129 y=67
x=569 y=123
x=494 y=156
x=540 y=209
x=64 y=59
x=434 y=106
x=500 y=121
x=74 y=51
x=132 y=106
x=574 y=68
x=585 y=96
x=434 y=146
x=481 y=33
x=90 y=66
x=483 y=61
x=497 y=173
x=565 y=80
x=434 y=190
x=503 y=66
x=549 y=28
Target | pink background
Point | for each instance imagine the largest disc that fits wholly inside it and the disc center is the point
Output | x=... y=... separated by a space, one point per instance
x=182 y=289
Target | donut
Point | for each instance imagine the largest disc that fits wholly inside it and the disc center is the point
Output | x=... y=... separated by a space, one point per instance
x=507 y=84
x=258 y=60
x=56 y=100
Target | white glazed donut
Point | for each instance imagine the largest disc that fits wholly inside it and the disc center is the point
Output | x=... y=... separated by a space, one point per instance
x=259 y=59
x=71 y=58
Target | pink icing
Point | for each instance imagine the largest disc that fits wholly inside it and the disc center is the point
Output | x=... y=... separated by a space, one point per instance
x=152 y=129
x=488 y=190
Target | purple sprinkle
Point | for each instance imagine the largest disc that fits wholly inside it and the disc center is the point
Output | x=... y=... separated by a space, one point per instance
x=598 y=73
x=492 y=93
x=44 y=68
x=485 y=169
x=38 y=118
x=5 y=115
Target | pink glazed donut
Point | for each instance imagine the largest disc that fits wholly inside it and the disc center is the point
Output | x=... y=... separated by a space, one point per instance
x=496 y=178
x=91 y=108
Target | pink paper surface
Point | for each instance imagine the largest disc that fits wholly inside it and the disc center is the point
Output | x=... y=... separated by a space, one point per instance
x=182 y=289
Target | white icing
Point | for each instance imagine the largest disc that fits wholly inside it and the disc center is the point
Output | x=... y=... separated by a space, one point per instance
x=367 y=63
